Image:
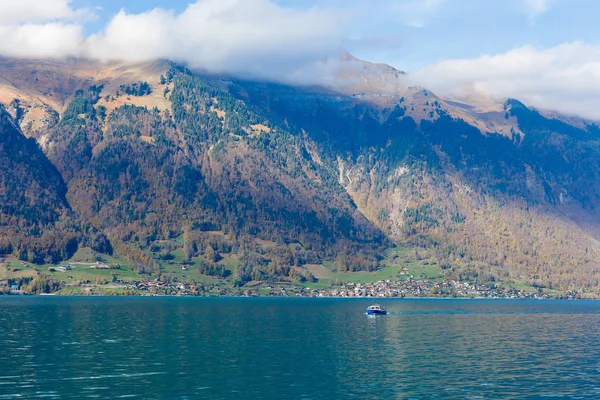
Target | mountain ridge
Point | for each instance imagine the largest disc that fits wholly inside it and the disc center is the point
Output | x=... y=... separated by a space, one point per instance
x=152 y=152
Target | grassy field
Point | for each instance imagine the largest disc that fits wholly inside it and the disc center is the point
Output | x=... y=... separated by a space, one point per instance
x=406 y=258
x=174 y=268
x=86 y=273
x=83 y=269
x=399 y=263
x=175 y=271
x=99 y=291
x=13 y=269
x=525 y=287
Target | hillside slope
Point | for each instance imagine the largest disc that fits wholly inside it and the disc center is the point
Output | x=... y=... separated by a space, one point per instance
x=142 y=175
x=153 y=157
x=34 y=213
x=485 y=205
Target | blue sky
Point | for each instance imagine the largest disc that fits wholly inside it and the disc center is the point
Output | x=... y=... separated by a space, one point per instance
x=543 y=52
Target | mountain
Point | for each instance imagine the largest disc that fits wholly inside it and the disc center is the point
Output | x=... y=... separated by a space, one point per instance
x=33 y=205
x=148 y=158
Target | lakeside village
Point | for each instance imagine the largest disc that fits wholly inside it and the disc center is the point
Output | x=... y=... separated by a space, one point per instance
x=382 y=289
x=388 y=288
x=409 y=288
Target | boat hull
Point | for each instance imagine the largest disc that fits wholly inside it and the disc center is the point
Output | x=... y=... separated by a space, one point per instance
x=376 y=312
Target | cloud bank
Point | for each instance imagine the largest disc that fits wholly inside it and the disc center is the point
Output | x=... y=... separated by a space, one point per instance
x=255 y=38
x=265 y=40
x=564 y=78
x=30 y=28
x=30 y=11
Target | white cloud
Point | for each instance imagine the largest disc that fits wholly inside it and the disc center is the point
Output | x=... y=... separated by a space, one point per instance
x=13 y=12
x=257 y=38
x=33 y=28
x=40 y=41
x=565 y=78
x=536 y=7
x=415 y=13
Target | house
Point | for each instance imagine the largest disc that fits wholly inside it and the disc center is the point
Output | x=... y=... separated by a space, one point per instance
x=64 y=268
x=14 y=287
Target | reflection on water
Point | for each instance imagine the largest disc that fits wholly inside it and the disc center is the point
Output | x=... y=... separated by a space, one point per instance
x=173 y=348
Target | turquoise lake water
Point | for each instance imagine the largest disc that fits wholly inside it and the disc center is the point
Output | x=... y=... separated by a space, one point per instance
x=191 y=348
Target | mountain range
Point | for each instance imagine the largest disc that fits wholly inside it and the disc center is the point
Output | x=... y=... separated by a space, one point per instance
x=142 y=159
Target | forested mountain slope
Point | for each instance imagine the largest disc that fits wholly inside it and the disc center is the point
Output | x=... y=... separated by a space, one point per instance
x=34 y=213
x=156 y=153
x=490 y=205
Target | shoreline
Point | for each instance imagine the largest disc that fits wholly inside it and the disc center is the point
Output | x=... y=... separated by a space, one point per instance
x=374 y=299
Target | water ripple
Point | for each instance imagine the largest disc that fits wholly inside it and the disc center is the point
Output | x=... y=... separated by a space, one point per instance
x=278 y=349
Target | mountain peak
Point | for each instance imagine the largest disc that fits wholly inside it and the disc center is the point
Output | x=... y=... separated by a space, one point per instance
x=359 y=77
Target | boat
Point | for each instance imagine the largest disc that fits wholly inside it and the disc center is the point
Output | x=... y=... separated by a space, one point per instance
x=376 y=310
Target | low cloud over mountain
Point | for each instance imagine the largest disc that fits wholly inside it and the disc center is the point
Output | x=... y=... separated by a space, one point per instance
x=565 y=77
x=256 y=38
x=296 y=43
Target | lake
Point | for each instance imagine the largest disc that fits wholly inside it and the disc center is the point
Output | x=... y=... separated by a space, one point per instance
x=269 y=348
